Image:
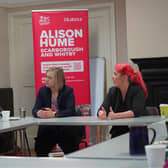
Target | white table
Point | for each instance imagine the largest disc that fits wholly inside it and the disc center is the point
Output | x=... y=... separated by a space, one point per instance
x=6 y=126
x=93 y=121
x=22 y=124
x=34 y=162
x=18 y=126
x=116 y=148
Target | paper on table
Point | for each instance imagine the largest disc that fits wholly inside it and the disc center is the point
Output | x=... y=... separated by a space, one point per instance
x=14 y=118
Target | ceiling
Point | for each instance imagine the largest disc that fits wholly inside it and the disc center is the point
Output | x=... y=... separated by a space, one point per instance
x=21 y=3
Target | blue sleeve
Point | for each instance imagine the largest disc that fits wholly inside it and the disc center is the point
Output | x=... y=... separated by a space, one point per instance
x=67 y=106
x=37 y=105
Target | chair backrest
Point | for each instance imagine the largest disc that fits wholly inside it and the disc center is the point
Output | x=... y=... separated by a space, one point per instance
x=152 y=110
x=83 y=110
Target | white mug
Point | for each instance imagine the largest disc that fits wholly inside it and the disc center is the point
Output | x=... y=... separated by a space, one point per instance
x=5 y=115
x=155 y=155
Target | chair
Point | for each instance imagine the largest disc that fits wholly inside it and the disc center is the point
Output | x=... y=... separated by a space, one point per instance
x=84 y=141
x=152 y=110
x=83 y=110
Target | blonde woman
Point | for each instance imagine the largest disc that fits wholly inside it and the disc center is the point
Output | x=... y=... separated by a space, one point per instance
x=55 y=99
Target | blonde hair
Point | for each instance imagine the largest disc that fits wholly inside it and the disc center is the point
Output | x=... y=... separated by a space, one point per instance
x=59 y=76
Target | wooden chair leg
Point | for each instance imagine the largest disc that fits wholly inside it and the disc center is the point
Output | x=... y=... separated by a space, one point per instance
x=99 y=132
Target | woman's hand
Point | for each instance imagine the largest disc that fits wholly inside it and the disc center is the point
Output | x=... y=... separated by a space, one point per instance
x=46 y=113
x=102 y=114
x=111 y=114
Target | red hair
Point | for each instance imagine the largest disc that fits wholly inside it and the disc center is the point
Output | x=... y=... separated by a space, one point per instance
x=135 y=77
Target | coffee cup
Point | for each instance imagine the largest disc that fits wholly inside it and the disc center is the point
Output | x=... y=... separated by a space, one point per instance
x=155 y=155
x=164 y=109
x=5 y=115
x=138 y=138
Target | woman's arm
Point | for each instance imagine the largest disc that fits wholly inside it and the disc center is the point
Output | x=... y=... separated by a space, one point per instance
x=109 y=99
x=41 y=108
x=125 y=114
x=67 y=103
x=37 y=105
x=137 y=106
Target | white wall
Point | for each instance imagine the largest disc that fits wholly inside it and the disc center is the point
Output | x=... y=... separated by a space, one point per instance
x=146 y=33
x=120 y=31
x=4 y=50
x=147 y=28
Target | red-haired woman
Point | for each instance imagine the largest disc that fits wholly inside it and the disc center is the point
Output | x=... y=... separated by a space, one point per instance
x=126 y=98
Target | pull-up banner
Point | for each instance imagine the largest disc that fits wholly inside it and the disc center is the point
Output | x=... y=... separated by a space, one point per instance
x=61 y=39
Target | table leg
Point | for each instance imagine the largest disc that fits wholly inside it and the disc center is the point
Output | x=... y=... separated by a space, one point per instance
x=26 y=141
x=15 y=143
x=21 y=141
